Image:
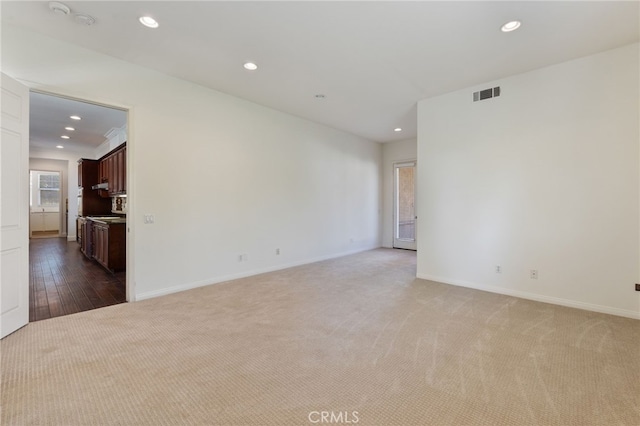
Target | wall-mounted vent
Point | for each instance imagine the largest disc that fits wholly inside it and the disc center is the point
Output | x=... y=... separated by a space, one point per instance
x=486 y=94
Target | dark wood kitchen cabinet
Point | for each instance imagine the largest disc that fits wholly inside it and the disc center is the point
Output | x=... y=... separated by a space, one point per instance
x=120 y=173
x=101 y=243
x=89 y=201
x=79 y=229
x=88 y=171
x=104 y=177
x=86 y=237
x=113 y=170
x=115 y=187
x=109 y=245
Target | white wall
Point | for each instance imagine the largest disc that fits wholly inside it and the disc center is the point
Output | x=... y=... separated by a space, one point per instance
x=544 y=177
x=393 y=152
x=221 y=175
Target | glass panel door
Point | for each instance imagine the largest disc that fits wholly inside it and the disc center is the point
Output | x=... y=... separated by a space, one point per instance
x=404 y=233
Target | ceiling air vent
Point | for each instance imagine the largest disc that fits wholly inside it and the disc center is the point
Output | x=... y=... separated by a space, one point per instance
x=486 y=94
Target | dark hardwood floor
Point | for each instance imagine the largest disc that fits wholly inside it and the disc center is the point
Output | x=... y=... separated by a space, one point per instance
x=63 y=281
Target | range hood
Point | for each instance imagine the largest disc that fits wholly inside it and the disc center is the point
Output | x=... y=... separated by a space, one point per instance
x=101 y=186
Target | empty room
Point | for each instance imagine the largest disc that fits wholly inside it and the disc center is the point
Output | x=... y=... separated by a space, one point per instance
x=328 y=212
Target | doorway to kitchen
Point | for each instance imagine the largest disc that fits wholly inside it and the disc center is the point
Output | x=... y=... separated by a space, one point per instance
x=86 y=143
x=404 y=212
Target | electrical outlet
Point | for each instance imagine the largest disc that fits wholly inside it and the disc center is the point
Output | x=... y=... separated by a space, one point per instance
x=498 y=269
x=534 y=274
x=277 y=252
x=245 y=257
x=149 y=219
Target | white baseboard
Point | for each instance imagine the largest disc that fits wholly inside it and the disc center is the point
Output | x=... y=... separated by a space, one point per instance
x=537 y=297
x=71 y=237
x=244 y=274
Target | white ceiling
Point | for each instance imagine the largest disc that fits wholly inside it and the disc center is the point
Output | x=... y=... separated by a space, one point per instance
x=49 y=115
x=372 y=60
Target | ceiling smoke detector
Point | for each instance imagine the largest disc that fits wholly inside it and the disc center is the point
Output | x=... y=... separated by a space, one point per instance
x=84 y=19
x=59 y=8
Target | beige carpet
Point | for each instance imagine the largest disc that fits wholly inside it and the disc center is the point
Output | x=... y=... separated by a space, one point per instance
x=358 y=338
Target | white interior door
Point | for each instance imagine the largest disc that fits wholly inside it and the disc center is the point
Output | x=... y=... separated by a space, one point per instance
x=14 y=214
x=404 y=216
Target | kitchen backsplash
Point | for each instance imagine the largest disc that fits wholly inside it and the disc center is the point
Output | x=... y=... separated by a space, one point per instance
x=119 y=205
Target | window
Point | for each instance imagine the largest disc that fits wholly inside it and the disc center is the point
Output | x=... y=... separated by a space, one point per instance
x=47 y=190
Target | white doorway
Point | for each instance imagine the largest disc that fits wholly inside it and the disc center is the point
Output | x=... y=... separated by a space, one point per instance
x=404 y=211
x=66 y=132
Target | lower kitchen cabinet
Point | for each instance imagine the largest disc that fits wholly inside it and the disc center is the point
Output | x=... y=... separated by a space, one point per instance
x=109 y=245
x=86 y=237
x=44 y=221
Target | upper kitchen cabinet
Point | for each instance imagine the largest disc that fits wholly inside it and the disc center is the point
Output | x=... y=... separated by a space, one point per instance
x=120 y=171
x=89 y=201
x=113 y=171
x=87 y=173
x=104 y=175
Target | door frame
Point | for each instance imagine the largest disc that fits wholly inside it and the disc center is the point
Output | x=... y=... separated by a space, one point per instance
x=130 y=156
x=407 y=245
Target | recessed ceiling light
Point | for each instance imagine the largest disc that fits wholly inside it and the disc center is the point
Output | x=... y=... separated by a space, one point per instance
x=511 y=26
x=250 y=66
x=59 y=8
x=75 y=117
x=397 y=129
x=148 y=21
x=59 y=146
x=84 y=19
x=71 y=129
x=64 y=137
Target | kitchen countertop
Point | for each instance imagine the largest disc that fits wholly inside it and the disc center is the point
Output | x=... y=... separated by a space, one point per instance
x=108 y=219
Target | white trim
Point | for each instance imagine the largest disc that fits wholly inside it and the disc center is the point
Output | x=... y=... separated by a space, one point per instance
x=537 y=297
x=131 y=208
x=231 y=277
x=60 y=92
